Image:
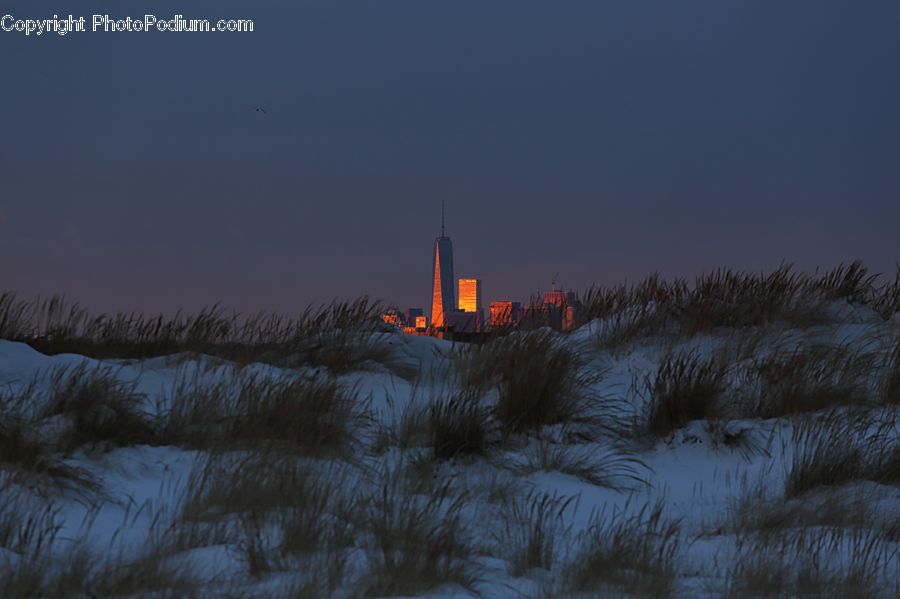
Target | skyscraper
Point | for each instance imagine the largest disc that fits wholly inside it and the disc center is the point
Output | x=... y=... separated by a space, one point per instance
x=470 y=295
x=442 y=295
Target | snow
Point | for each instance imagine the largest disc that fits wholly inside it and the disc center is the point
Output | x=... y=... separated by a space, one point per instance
x=697 y=479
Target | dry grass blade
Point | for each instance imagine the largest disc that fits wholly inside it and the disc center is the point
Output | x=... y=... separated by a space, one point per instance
x=891 y=376
x=604 y=467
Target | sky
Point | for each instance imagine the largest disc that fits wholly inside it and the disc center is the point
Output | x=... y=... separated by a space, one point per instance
x=582 y=141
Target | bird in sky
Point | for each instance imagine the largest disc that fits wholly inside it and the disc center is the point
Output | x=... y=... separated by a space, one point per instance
x=262 y=110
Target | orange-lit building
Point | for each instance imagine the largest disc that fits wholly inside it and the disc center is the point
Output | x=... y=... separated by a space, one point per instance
x=469 y=295
x=559 y=298
x=393 y=317
x=442 y=292
x=505 y=313
x=412 y=314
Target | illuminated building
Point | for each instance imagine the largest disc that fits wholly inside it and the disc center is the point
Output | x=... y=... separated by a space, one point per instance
x=442 y=295
x=559 y=298
x=470 y=295
x=393 y=317
x=412 y=314
x=421 y=322
x=560 y=310
x=505 y=313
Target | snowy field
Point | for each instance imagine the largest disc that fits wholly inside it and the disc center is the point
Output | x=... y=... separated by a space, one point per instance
x=615 y=460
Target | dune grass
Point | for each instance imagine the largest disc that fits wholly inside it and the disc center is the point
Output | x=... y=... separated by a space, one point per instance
x=300 y=413
x=609 y=467
x=813 y=563
x=840 y=447
x=418 y=542
x=458 y=426
x=339 y=336
x=62 y=410
x=813 y=378
x=890 y=374
x=732 y=299
x=532 y=528
x=686 y=387
x=539 y=381
x=624 y=555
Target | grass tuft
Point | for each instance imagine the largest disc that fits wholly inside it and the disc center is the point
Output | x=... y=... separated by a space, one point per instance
x=811 y=379
x=601 y=467
x=458 y=426
x=841 y=447
x=533 y=529
x=312 y=415
x=539 y=381
x=419 y=542
x=814 y=563
x=102 y=408
x=634 y=556
x=686 y=387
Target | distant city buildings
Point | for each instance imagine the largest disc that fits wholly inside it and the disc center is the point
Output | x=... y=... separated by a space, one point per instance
x=557 y=309
x=464 y=319
x=392 y=317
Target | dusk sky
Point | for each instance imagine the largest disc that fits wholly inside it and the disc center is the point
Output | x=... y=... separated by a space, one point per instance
x=600 y=140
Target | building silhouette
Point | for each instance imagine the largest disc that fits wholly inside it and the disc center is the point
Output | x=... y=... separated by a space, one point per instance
x=557 y=309
x=442 y=292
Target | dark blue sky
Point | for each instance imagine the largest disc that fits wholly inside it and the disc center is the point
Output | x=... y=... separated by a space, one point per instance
x=600 y=140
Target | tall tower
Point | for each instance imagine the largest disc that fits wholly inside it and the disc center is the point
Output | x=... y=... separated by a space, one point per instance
x=442 y=295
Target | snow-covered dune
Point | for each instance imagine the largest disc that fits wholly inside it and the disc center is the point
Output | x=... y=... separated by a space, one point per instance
x=690 y=465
